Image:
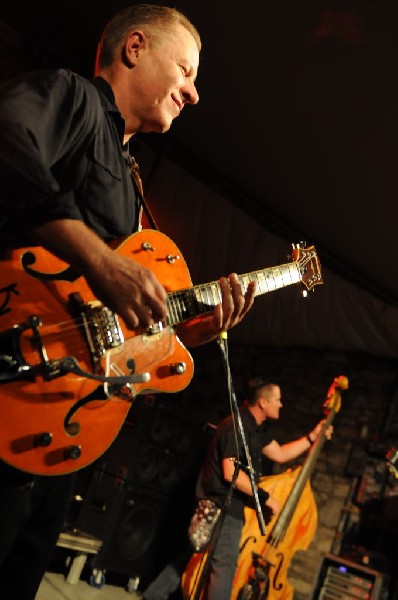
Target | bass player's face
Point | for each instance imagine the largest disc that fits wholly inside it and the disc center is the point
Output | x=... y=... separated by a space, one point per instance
x=272 y=402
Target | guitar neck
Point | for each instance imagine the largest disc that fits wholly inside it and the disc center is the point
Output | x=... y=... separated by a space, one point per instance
x=192 y=302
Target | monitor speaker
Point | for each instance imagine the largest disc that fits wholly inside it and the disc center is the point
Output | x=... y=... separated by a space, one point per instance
x=340 y=579
x=133 y=541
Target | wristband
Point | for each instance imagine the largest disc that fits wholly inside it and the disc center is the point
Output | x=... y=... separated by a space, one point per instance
x=262 y=496
x=310 y=440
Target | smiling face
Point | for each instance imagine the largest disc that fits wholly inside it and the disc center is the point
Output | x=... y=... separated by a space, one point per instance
x=162 y=78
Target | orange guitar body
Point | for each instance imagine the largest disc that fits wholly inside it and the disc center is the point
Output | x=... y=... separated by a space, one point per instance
x=33 y=407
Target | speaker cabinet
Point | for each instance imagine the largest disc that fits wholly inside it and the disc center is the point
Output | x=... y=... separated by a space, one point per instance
x=140 y=493
x=340 y=579
x=133 y=541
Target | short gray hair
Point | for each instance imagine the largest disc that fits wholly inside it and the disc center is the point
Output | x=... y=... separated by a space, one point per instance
x=156 y=19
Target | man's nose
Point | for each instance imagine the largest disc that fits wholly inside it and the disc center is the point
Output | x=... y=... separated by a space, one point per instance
x=190 y=93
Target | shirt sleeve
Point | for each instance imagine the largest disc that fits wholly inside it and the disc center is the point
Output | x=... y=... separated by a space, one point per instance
x=227 y=441
x=43 y=116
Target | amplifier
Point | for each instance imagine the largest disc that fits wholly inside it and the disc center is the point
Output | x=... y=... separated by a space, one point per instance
x=340 y=579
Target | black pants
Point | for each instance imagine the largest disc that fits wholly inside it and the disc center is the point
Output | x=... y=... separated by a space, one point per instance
x=32 y=512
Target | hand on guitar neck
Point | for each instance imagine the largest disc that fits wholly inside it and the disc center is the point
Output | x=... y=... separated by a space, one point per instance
x=228 y=313
x=132 y=290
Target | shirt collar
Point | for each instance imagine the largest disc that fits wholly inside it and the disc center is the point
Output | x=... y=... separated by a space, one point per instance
x=251 y=421
x=109 y=103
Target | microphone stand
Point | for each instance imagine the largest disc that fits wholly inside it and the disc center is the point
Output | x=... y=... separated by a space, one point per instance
x=222 y=341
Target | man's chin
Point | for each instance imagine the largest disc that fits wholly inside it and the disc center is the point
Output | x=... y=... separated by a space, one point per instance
x=166 y=127
x=159 y=126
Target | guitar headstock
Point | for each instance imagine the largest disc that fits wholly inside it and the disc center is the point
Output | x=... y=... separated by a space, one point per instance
x=333 y=398
x=308 y=264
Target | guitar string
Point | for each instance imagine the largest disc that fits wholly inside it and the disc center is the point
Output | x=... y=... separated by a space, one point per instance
x=180 y=301
x=173 y=302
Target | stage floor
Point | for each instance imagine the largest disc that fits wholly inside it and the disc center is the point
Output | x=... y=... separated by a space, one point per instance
x=55 y=587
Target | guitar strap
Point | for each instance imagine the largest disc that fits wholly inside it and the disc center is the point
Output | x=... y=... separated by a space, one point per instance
x=135 y=174
x=105 y=92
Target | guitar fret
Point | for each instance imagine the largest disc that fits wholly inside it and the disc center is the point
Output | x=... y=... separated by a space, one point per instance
x=207 y=289
x=275 y=277
x=215 y=293
x=244 y=280
x=170 y=309
x=200 y=296
x=206 y=296
x=263 y=284
x=181 y=305
x=259 y=287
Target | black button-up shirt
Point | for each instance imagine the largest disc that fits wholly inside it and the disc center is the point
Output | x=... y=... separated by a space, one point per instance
x=211 y=483
x=62 y=156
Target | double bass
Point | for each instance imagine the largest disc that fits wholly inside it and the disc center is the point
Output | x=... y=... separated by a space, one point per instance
x=264 y=561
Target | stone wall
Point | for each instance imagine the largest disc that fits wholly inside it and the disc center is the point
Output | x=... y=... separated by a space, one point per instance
x=367 y=419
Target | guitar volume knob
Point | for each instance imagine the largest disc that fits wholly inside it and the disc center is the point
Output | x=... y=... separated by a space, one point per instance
x=44 y=439
x=178 y=368
x=147 y=246
x=72 y=452
x=171 y=258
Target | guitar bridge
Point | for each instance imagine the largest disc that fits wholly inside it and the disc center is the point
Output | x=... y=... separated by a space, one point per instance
x=101 y=327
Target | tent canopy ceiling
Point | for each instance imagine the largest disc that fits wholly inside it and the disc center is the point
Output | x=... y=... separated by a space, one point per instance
x=297 y=122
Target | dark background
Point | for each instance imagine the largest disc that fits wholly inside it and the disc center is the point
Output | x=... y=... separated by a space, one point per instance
x=294 y=138
x=297 y=116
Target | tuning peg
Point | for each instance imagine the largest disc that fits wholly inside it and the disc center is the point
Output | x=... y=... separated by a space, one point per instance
x=301 y=244
x=297 y=246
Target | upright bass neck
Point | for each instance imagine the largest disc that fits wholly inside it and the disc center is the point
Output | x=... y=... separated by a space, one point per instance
x=331 y=406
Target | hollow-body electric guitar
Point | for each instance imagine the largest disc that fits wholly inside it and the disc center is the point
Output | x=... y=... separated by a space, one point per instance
x=69 y=368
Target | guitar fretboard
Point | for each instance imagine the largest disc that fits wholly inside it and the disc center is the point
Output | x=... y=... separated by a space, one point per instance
x=188 y=303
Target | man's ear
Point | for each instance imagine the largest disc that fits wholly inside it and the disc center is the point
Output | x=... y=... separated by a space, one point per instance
x=136 y=41
x=262 y=402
